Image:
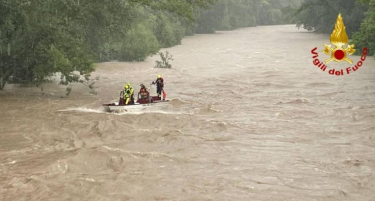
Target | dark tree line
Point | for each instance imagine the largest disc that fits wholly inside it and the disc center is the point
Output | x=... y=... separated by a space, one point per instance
x=358 y=15
x=231 y=14
x=39 y=38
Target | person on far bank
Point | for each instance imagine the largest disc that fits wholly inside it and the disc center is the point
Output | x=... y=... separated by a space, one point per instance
x=160 y=87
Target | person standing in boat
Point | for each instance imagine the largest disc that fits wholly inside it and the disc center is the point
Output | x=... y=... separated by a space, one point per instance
x=128 y=94
x=160 y=87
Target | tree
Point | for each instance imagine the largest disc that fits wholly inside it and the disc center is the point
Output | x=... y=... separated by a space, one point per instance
x=358 y=15
x=165 y=58
x=320 y=15
x=232 y=14
x=39 y=38
x=365 y=37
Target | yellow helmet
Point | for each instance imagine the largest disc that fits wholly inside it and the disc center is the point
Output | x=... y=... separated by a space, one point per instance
x=159 y=76
x=126 y=86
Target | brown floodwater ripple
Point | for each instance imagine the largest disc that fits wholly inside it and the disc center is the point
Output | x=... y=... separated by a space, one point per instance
x=250 y=118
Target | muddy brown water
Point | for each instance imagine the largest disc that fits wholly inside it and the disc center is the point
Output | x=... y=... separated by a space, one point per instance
x=250 y=118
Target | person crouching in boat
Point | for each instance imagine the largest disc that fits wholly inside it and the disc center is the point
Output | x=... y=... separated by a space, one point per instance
x=143 y=94
x=160 y=87
x=128 y=94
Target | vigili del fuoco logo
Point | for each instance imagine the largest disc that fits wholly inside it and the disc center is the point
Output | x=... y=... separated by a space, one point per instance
x=339 y=52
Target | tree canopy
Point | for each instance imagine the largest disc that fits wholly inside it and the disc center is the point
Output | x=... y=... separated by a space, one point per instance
x=358 y=15
x=39 y=38
x=365 y=37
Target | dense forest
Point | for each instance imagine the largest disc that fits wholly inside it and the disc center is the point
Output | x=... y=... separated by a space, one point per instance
x=39 y=38
x=358 y=15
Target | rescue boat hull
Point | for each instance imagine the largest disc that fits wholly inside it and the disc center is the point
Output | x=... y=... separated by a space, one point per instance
x=133 y=107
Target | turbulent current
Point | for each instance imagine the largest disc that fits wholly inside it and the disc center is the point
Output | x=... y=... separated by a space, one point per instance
x=250 y=118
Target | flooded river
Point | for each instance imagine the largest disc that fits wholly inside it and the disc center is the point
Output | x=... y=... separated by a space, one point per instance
x=250 y=118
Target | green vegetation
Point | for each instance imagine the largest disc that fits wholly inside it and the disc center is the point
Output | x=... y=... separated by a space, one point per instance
x=39 y=38
x=358 y=15
x=365 y=37
x=165 y=58
x=232 y=14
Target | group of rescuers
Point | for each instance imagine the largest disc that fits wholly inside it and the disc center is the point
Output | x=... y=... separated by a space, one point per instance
x=143 y=93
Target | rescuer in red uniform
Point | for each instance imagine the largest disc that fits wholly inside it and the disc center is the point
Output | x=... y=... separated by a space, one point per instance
x=160 y=87
x=143 y=94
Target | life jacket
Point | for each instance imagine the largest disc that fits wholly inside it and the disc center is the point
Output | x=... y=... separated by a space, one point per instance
x=160 y=82
x=143 y=90
x=144 y=93
x=127 y=93
x=130 y=90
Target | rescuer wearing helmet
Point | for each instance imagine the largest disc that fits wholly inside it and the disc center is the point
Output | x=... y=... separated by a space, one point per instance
x=128 y=94
x=160 y=87
x=143 y=93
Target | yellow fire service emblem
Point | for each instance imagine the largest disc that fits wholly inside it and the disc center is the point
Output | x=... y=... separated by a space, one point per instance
x=339 y=39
